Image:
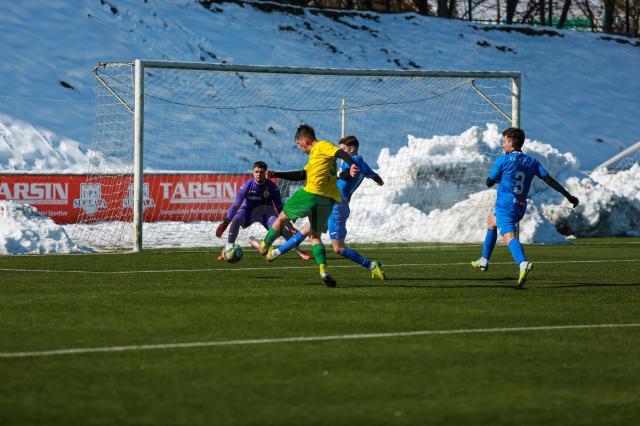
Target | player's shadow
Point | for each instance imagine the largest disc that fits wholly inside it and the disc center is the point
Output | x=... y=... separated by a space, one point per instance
x=577 y=285
x=430 y=283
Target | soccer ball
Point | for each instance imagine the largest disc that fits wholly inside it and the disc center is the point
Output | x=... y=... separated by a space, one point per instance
x=232 y=253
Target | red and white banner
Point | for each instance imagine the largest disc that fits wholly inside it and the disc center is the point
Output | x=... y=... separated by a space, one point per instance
x=167 y=197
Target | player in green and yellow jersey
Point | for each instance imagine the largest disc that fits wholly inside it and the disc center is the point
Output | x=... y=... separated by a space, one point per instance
x=315 y=200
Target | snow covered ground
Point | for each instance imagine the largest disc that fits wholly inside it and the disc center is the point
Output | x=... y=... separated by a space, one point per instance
x=580 y=100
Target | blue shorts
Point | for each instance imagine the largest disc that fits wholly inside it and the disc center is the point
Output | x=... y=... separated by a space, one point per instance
x=338 y=221
x=508 y=221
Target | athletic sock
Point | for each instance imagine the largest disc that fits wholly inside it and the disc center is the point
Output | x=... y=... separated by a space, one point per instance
x=489 y=243
x=323 y=268
x=275 y=253
x=517 y=251
x=291 y=243
x=319 y=255
x=271 y=236
x=355 y=257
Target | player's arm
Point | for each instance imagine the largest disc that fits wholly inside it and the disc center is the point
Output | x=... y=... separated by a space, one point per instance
x=496 y=172
x=367 y=172
x=555 y=185
x=294 y=175
x=353 y=167
x=242 y=194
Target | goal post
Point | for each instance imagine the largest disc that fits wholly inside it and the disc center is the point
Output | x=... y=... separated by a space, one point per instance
x=156 y=120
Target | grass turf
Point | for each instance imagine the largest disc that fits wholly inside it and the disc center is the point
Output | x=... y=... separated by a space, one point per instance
x=585 y=376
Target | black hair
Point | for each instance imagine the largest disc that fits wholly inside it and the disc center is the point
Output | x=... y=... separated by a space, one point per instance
x=304 y=130
x=260 y=164
x=516 y=135
x=349 y=141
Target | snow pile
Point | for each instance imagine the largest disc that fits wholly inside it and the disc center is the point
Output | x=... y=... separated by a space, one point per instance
x=24 y=230
x=26 y=147
x=609 y=205
x=434 y=191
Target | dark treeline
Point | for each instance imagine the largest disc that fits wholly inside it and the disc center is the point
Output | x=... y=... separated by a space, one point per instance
x=610 y=16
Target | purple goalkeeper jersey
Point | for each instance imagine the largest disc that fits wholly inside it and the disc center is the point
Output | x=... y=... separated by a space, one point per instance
x=252 y=195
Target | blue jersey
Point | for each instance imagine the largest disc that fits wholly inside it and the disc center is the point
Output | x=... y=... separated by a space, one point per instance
x=514 y=171
x=348 y=187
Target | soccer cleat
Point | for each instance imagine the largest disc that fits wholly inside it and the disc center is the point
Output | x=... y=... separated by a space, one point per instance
x=303 y=254
x=376 y=271
x=481 y=264
x=269 y=257
x=326 y=278
x=525 y=268
x=253 y=242
x=221 y=257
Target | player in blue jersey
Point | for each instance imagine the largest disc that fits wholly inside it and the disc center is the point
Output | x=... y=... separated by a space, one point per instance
x=340 y=213
x=514 y=172
x=258 y=200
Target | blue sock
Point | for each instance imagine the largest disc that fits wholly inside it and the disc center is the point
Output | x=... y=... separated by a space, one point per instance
x=355 y=257
x=517 y=252
x=489 y=242
x=292 y=243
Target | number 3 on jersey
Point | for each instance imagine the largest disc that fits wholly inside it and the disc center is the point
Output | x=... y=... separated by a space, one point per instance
x=519 y=184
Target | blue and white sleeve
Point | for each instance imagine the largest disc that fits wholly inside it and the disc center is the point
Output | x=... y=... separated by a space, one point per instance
x=541 y=172
x=365 y=169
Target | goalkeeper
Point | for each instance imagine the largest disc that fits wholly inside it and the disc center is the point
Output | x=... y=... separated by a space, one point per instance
x=340 y=214
x=258 y=200
x=315 y=200
x=514 y=171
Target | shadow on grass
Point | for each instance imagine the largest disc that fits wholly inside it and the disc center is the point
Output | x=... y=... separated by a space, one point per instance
x=432 y=282
x=577 y=285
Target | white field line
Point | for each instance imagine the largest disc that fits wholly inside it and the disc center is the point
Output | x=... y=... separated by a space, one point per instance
x=128 y=348
x=266 y=268
x=367 y=246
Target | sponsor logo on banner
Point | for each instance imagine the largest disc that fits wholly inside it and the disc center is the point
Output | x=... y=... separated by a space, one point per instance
x=146 y=200
x=38 y=193
x=90 y=200
x=199 y=192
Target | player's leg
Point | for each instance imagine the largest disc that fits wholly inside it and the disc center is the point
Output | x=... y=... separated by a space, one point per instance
x=297 y=206
x=291 y=243
x=272 y=234
x=234 y=228
x=508 y=227
x=318 y=223
x=320 y=257
x=290 y=232
x=489 y=244
x=338 y=233
x=340 y=248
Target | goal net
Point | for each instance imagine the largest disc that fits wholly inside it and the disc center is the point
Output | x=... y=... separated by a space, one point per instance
x=178 y=140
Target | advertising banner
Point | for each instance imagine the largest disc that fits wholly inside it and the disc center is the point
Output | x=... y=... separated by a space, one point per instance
x=167 y=197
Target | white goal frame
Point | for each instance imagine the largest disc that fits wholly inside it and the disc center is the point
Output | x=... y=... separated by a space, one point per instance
x=514 y=117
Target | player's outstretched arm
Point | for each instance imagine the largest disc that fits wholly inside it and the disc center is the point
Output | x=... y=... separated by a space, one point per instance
x=377 y=179
x=295 y=175
x=555 y=185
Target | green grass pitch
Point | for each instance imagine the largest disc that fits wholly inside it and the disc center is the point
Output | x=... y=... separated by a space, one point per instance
x=161 y=297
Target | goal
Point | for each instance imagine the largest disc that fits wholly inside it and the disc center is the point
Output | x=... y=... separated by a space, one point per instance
x=178 y=139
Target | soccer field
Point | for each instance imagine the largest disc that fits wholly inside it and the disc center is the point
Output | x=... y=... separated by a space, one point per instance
x=177 y=337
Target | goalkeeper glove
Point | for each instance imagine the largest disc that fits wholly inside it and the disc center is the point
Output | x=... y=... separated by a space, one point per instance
x=221 y=228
